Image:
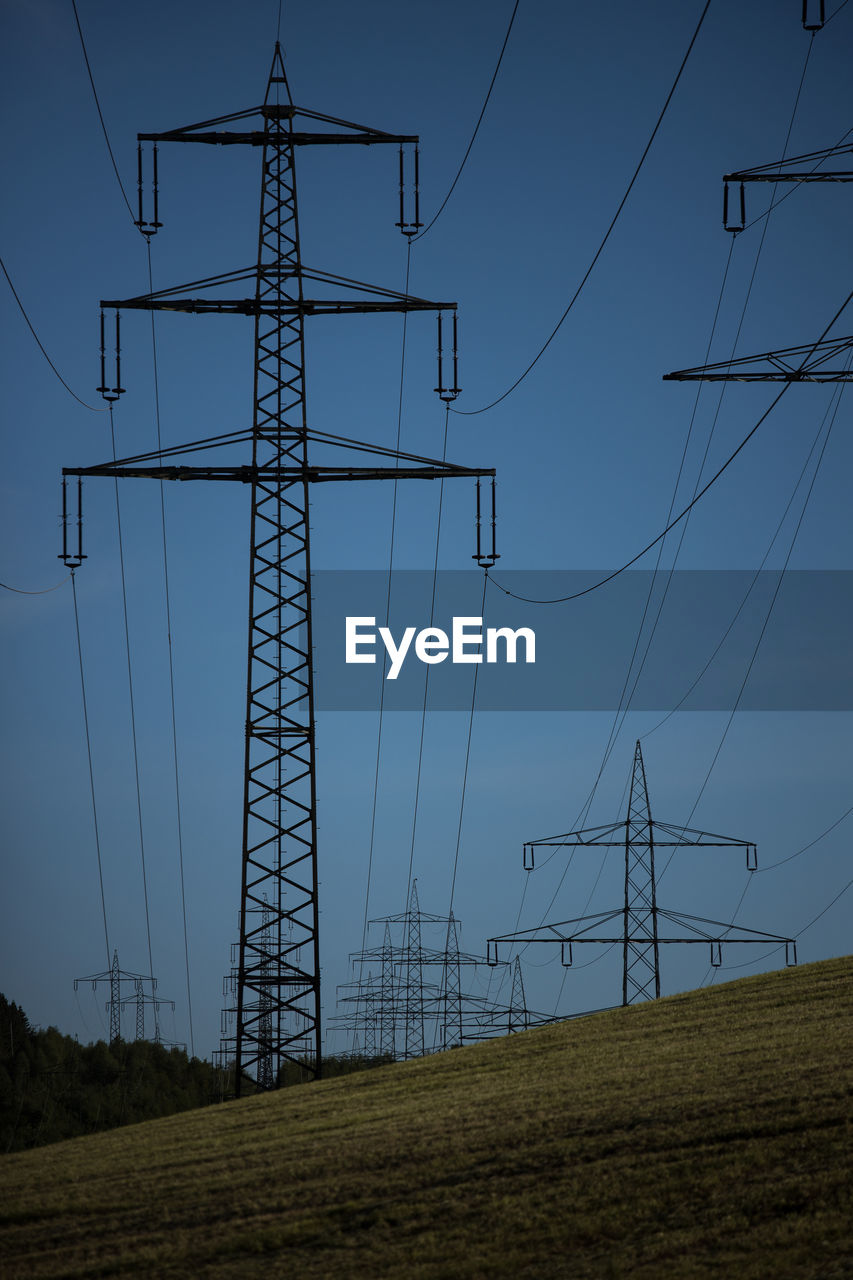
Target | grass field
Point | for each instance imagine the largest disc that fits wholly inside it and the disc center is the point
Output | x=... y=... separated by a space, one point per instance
x=704 y=1135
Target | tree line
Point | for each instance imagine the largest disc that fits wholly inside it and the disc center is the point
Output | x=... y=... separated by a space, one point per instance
x=52 y=1087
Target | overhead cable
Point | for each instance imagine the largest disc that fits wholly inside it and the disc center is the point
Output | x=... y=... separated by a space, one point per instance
x=607 y=234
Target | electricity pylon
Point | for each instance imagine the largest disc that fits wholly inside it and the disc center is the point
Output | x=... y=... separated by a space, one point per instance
x=278 y=1014
x=640 y=935
x=806 y=363
x=139 y=1000
x=115 y=976
x=393 y=1011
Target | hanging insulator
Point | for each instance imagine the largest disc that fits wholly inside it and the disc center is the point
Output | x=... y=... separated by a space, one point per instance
x=478 y=525
x=72 y=559
x=118 y=389
x=401 y=224
x=410 y=228
x=716 y=953
x=528 y=857
x=493 y=555
x=147 y=228
x=791 y=953
x=566 y=958
x=486 y=559
x=733 y=227
x=456 y=387
x=491 y=952
x=103 y=388
x=111 y=393
x=418 y=224
x=752 y=857
x=808 y=13
x=447 y=394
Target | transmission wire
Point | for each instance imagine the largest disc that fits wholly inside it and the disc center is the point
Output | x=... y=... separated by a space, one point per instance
x=100 y=113
x=387 y=620
x=617 y=724
x=429 y=668
x=178 y=807
x=465 y=770
x=44 y=591
x=91 y=771
x=435 y=218
x=607 y=234
x=94 y=408
x=133 y=734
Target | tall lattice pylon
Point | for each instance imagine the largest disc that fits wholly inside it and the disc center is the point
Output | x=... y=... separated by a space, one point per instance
x=640 y=948
x=278 y=1011
x=639 y=919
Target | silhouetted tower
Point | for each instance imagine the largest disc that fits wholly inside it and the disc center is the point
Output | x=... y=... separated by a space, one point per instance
x=266 y=1068
x=640 y=935
x=519 y=1017
x=452 y=995
x=640 y=953
x=279 y=995
x=139 y=1000
x=414 y=1026
x=387 y=1020
x=115 y=976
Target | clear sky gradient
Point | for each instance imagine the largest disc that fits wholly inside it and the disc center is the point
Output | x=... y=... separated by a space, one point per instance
x=587 y=451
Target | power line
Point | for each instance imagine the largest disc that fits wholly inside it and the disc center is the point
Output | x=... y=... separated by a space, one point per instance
x=476 y=127
x=100 y=112
x=465 y=770
x=94 y=408
x=607 y=234
x=91 y=771
x=44 y=591
x=133 y=727
x=806 y=847
x=615 y=574
x=178 y=807
x=428 y=669
x=387 y=617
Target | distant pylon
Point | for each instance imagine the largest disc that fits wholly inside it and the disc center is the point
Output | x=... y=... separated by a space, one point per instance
x=640 y=917
x=518 y=1014
x=414 y=1035
x=115 y=976
x=387 y=1022
x=139 y=1000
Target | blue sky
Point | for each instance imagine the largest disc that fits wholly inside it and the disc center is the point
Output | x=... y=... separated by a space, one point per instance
x=587 y=451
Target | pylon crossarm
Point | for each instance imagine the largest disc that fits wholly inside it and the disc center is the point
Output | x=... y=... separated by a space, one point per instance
x=689 y=836
x=277 y=308
x=253 y=474
x=774 y=173
x=269 y=272
x=718 y=930
x=788 y=364
x=245 y=437
x=588 y=835
x=206 y=130
x=559 y=931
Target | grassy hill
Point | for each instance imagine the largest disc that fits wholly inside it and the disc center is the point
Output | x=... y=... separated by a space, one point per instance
x=705 y=1135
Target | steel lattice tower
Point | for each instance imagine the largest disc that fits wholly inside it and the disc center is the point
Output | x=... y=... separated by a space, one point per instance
x=640 y=917
x=640 y=948
x=278 y=970
x=115 y=976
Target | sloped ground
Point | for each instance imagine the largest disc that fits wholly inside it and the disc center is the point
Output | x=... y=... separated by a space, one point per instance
x=703 y=1135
